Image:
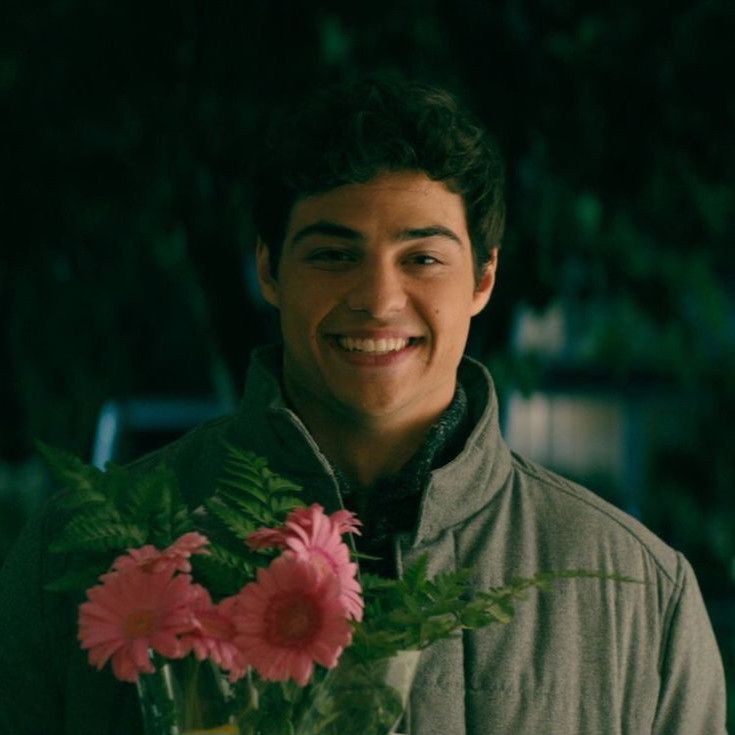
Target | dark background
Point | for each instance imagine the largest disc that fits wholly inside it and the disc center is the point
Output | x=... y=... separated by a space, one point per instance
x=127 y=134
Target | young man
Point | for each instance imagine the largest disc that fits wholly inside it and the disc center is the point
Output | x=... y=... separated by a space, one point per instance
x=379 y=215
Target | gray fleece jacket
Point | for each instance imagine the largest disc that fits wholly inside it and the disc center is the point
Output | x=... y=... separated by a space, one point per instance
x=587 y=657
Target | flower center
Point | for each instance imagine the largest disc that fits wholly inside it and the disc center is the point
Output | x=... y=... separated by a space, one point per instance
x=293 y=620
x=139 y=624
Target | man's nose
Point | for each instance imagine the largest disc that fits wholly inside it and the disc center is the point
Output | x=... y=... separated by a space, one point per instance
x=378 y=291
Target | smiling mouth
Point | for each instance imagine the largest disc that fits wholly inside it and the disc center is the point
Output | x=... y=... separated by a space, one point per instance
x=382 y=346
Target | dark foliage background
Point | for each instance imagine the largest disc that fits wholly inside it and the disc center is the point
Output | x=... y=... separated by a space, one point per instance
x=127 y=132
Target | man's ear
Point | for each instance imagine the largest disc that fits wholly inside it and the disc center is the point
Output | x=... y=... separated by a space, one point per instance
x=484 y=287
x=268 y=284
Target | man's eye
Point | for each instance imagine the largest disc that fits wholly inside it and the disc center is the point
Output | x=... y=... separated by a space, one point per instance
x=331 y=255
x=424 y=259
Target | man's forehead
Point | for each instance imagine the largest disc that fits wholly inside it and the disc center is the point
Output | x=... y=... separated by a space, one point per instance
x=406 y=203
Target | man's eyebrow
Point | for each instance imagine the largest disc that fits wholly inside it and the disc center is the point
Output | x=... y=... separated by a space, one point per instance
x=422 y=233
x=333 y=229
x=330 y=229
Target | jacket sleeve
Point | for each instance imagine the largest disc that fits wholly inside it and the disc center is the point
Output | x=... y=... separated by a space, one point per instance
x=30 y=700
x=692 y=698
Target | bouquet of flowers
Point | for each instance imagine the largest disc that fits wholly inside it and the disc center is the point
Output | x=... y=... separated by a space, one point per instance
x=248 y=614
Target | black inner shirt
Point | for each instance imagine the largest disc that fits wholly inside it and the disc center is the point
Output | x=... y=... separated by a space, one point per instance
x=395 y=500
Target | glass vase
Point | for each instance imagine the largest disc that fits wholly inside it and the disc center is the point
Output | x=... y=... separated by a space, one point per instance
x=186 y=697
x=357 y=696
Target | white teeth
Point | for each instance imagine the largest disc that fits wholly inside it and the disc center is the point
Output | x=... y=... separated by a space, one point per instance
x=376 y=346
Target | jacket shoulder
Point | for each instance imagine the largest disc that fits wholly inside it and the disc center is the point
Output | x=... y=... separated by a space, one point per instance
x=590 y=521
x=192 y=440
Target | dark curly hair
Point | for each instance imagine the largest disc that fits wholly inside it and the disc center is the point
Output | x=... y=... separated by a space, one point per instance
x=351 y=132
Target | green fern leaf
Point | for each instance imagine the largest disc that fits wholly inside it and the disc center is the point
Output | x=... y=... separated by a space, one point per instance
x=225 y=557
x=245 y=505
x=501 y=610
x=152 y=501
x=75 y=580
x=254 y=492
x=79 y=500
x=250 y=495
x=280 y=507
x=277 y=484
x=238 y=523
x=98 y=533
x=69 y=471
x=223 y=571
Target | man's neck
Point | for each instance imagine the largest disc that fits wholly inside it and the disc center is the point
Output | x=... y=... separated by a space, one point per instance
x=367 y=454
x=365 y=449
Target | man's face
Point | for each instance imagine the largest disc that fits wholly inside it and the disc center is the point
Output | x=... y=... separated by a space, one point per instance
x=375 y=289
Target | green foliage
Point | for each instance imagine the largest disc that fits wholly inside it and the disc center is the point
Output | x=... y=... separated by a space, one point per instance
x=224 y=572
x=110 y=512
x=70 y=472
x=250 y=496
x=98 y=531
x=116 y=509
x=413 y=612
x=119 y=509
x=80 y=577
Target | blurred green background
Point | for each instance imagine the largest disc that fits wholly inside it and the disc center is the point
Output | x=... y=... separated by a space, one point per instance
x=128 y=131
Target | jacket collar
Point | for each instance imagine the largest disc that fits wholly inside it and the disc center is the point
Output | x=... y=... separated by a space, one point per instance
x=455 y=491
x=460 y=488
x=266 y=425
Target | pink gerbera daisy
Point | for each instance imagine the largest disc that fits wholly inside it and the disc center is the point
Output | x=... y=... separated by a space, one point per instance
x=345 y=521
x=214 y=635
x=131 y=612
x=172 y=558
x=289 y=619
x=314 y=537
x=267 y=538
